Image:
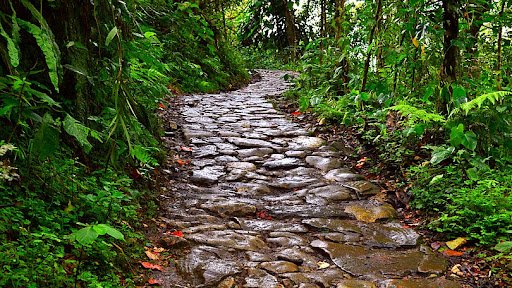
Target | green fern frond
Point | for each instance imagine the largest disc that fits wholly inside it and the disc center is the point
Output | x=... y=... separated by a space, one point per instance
x=417 y=115
x=48 y=47
x=14 y=54
x=492 y=97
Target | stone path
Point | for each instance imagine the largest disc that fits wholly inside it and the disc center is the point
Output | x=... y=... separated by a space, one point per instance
x=269 y=206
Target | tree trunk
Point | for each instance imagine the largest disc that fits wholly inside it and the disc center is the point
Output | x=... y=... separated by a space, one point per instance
x=339 y=31
x=500 y=40
x=370 y=41
x=291 y=33
x=451 y=33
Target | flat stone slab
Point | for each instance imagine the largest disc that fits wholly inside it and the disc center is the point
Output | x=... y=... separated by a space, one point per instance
x=305 y=143
x=361 y=261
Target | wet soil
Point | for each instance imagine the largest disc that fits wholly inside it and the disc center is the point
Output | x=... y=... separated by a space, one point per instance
x=253 y=199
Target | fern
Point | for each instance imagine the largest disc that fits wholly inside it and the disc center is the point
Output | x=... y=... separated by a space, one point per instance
x=51 y=53
x=492 y=97
x=417 y=115
x=14 y=54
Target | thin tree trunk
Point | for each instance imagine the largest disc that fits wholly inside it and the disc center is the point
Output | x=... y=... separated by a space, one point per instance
x=451 y=51
x=370 y=41
x=290 y=29
x=339 y=31
x=500 y=40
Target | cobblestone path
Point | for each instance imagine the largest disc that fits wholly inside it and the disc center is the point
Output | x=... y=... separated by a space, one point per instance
x=269 y=206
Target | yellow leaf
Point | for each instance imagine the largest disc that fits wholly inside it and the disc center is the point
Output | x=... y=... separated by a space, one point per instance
x=415 y=42
x=423 y=50
x=454 y=244
x=151 y=255
x=323 y=265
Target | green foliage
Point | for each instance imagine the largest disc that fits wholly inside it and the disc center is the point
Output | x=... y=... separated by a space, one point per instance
x=479 y=209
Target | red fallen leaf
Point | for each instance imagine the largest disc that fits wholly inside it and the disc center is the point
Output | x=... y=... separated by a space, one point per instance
x=452 y=253
x=182 y=162
x=188 y=149
x=177 y=233
x=263 y=215
x=161 y=105
x=153 y=281
x=361 y=162
x=151 y=266
x=296 y=113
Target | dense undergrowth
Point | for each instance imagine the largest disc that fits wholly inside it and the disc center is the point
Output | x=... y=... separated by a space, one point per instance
x=79 y=137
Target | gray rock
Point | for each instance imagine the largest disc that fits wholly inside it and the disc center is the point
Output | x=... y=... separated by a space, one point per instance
x=208 y=175
x=323 y=164
x=282 y=163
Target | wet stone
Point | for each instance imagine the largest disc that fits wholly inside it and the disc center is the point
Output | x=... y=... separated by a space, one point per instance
x=326 y=277
x=258 y=257
x=372 y=212
x=248 y=142
x=350 y=283
x=206 y=264
x=420 y=283
x=359 y=261
x=282 y=163
x=205 y=151
x=258 y=278
x=207 y=176
x=297 y=256
x=342 y=175
x=323 y=164
x=228 y=239
x=269 y=225
x=279 y=267
x=231 y=208
x=260 y=152
x=297 y=154
x=305 y=143
x=332 y=193
x=286 y=239
x=245 y=166
x=364 y=188
x=225 y=159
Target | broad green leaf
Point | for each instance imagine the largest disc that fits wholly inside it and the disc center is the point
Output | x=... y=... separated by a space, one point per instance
x=103 y=229
x=439 y=154
x=111 y=36
x=470 y=140
x=77 y=130
x=85 y=236
x=457 y=135
x=503 y=247
x=46 y=139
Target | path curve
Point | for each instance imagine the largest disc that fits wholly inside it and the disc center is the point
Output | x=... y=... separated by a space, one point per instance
x=267 y=205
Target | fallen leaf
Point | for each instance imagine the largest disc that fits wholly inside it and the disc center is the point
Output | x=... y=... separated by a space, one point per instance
x=158 y=250
x=361 y=162
x=323 y=265
x=436 y=245
x=454 y=244
x=452 y=253
x=151 y=255
x=415 y=42
x=177 y=233
x=182 y=162
x=151 y=266
x=263 y=215
x=161 y=105
x=296 y=113
x=153 y=281
x=188 y=149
